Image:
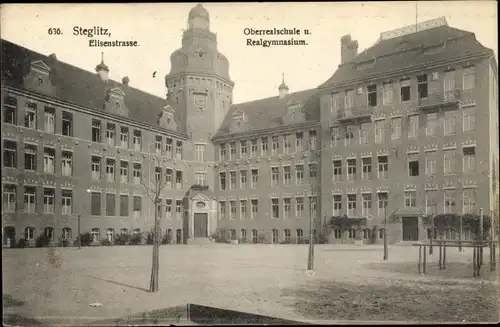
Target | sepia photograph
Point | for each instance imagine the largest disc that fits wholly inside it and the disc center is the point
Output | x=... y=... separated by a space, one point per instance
x=250 y=163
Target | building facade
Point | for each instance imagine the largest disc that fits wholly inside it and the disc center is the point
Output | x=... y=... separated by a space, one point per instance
x=392 y=136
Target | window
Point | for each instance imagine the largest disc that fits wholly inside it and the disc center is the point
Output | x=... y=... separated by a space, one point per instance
x=255 y=208
x=275 y=238
x=299 y=174
x=255 y=178
x=275 y=145
x=200 y=178
x=430 y=129
x=413 y=167
x=299 y=206
x=450 y=161
x=450 y=122
x=352 y=233
x=422 y=86
x=412 y=126
x=334 y=103
x=96 y=235
x=232 y=209
x=67 y=123
x=366 y=165
x=469 y=119
x=124 y=171
x=337 y=205
x=388 y=93
x=351 y=169
x=110 y=170
x=383 y=202
x=29 y=199
x=137 y=206
x=110 y=134
x=365 y=133
x=222 y=151
x=335 y=136
x=469 y=200
x=275 y=208
x=157 y=174
x=379 y=131
x=410 y=199
x=469 y=159
x=67 y=163
x=168 y=147
x=396 y=129
x=110 y=234
x=110 y=205
x=449 y=201
x=48 y=200
x=30 y=157
x=337 y=233
x=288 y=236
x=449 y=84
x=30 y=115
x=158 y=144
x=349 y=135
x=96 y=130
x=9 y=198
x=49 y=232
x=96 y=167
x=48 y=160
x=243 y=235
x=243 y=209
x=199 y=150
x=349 y=99
x=67 y=202
x=232 y=180
x=430 y=162
x=255 y=238
x=124 y=205
x=312 y=140
x=287 y=145
x=405 y=89
x=313 y=172
x=136 y=140
x=383 y=166
x=95 y=203
x=222 y=181
x=287 y=175
x=178 y=179
x=299 y=144
x=9 y=154
x=66 y=233
x=287 y=207
x=469 y=78
x=367 y=204
x=275 y=176
x=243 y=179
x=351 y=205
x=10 y=110
x=232 y=150
x=264 y=146
x=337 y=170
x=124 y=137
x=300 y=236
x=372 y=95
x=178 y=209
x=29 y=233
x=243 y=149
x=49 y=120
x=168 y=208
x=136 y=173
x=253 y=148
x=431 y=202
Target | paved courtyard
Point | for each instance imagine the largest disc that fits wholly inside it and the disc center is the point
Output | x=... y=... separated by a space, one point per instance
x=349 y=283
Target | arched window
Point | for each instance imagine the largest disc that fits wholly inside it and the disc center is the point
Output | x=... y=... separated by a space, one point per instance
x=123 y=231
x=49 y=232
x=29 y=233
x=66 y=233
x=95 y=235
x=110 y=234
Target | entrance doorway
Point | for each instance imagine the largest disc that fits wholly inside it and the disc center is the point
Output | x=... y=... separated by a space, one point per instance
x=178 y=236
x=200 y=225
x=9 y=236
x=410 y=228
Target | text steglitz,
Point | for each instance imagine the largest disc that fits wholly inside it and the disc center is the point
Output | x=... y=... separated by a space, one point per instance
x=268 y=43
x=91 y=32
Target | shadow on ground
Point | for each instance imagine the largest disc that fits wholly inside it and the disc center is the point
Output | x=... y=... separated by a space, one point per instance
x=393 y=300
x=17 y=320
x=121 y=284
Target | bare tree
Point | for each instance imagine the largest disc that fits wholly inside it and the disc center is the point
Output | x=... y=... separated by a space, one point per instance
x=153 y=188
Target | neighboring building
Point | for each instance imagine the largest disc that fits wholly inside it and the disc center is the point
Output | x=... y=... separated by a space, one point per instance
x=396 y=124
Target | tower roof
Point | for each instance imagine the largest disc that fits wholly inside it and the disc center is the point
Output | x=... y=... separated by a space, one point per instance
x=283 y=85
x=198 y=11
x=102 y=65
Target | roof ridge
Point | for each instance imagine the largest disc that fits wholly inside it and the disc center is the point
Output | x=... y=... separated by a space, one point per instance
x=276 y=96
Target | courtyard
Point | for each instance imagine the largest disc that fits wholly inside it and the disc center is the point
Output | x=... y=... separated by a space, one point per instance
x=349 y=283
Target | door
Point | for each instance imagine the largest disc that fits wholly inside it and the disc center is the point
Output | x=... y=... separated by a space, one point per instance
x=410 y=229
x=9 y=235
x=200 y=225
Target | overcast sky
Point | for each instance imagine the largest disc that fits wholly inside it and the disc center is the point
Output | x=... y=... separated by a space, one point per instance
x=255 y=70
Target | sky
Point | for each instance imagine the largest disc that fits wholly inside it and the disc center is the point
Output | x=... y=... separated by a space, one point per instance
x=256 y=71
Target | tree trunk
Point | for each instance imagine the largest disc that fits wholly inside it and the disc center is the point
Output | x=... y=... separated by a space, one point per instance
x=153 y=287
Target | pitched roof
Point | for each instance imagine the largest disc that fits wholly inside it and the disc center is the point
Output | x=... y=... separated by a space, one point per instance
x=77 y=86
x=268 y=112
x=442 y=43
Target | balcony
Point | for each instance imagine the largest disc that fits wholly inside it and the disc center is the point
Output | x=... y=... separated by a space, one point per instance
x=447 y=98
x=355 y=114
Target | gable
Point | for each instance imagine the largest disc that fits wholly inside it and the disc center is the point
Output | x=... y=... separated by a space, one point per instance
x=38 y=79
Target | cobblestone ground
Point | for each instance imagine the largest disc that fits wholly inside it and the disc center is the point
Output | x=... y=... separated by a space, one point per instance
x=348 y=283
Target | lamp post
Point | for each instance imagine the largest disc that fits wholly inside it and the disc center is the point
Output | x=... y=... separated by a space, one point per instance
x=310 y=260
x=79 y=216
x=386 y=250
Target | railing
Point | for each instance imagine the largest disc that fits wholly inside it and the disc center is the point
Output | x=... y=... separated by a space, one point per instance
x=440 y=98
x=354 y=113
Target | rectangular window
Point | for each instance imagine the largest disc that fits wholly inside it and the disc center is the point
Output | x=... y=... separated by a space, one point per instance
x=275 y=145
x=29 y=199
x=312 y=140
x=222 y=151
x=49 y=120
x=199 y=151
x=243 y=149
x=431 y=202
x=469 y=165
x=30 y=115
x=469 y=200
x=299 y=206
x=450 y=123
x=275 y=208
x=110 y=170
x=367 y=204
x=95 y=204
x=335 y=136
x=10 y=110
x=158 y=144
x=405 y=89
x=299 y=174
x=9 y=198
x=222 y=181
x=372 y=95
x=337 y=170
x=124 y=205
x=449 y=201
x=469 y=119
x=222 y=210
x=49 y=160
x=351 y=169
x=255 y=208
x=30 y=157
x=351 y=205
x=137 y=206
x=9 y=154
x=349 y=99
x=313 y=171
x=431 y=127
x=410 y=199
x=349 y=135
x=469 y=78
x=255 y=178
x=110 y=134
x=178 y=149
x=232 y=180
x=383 y=167
x=413 y=167
x=430 y=162
x=124 y=137
x=379 y=131
x=299 y=142
x=253 y=148
x=366 y=165
x=157 y=174
x=110 y=205
x=412 y=126
x=67 y=202
x=243 y=179
x=365 y=133
x=337 y=205
x=124 y=171
x=232 y=209
x=67 y=123
x=96 y=130
x=264 y=145
x=232 y=150
x=287 y=145
x=243 y=209
x=200 y=178
x=312 y=206
x=48 y=200
x=169 y=178
x=422 y=86
x=178 y=209
x=136 y=140
x=450 y=161
x=388 y=93
x=96 y=167
x=396 y=129
x=287 y=175
x=334 y=103
x=136 y=173
x=383 y=201
x=168 y=208
x=449 y=83
x=275 y=176
x=67 y=163
x=168 y=147
x=178 y=179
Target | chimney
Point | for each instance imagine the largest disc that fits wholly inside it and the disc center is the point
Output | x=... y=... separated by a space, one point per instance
x=348 y=49
x=102 y=69
x=125 y=80
x=283 y=88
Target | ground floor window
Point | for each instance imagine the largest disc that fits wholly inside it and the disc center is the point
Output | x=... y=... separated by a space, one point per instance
x=66 y=233
x=381 y=233
x=300 y=235
x=243 y=235
x=366 y=234
x=49 y=232
x=337 y=233
x=95 y=235
x=137 y=230
x=123 y=231
x=254 y=236
x=352 y=233
x=169 y=234
x=29 y=233
x=275 y=236
x=288 y=235
x=232 y=234
x=178 y=236
x=109 y=234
